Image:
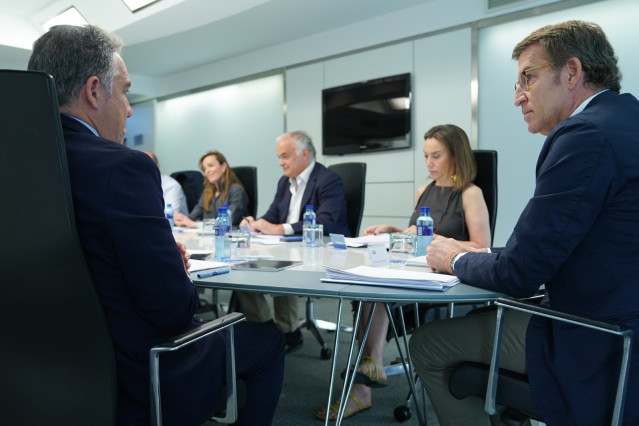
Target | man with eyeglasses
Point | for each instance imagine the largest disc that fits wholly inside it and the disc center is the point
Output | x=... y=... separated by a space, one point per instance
x=578 y=235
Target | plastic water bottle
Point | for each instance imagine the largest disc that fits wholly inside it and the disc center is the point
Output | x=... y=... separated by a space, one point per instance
x=222 y=226
x=424 y=231
x=309 y=215
x=229 y=213
x=168 y=212
x=308 y=218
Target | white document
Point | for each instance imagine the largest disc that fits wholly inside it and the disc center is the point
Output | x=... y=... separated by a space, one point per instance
x=198 y=265
x=391 y=277
x=263 y=239
x=417 y=261
x=367 y=240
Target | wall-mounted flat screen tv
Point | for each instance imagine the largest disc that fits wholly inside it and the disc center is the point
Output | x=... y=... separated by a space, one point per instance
x=368 y=116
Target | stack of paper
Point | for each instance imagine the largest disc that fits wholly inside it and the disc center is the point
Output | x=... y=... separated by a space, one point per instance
x=391 y=277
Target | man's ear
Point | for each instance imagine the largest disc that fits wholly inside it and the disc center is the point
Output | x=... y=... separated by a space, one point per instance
x=575 y=72
x=92 y=91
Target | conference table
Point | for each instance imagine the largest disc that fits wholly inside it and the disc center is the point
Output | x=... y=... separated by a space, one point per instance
x=305 y=280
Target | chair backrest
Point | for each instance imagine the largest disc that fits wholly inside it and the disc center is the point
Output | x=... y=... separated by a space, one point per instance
x=354 y=180
x=192 y=182
x=56 y=354
x=248 y=176
x=487 y=180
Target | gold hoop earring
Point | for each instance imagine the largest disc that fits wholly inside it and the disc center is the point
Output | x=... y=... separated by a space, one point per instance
x=454 y=178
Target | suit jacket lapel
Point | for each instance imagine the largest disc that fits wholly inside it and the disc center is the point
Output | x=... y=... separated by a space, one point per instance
x=310 y=187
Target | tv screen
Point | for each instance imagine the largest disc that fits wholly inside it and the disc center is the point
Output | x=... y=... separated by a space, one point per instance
x=368 y=116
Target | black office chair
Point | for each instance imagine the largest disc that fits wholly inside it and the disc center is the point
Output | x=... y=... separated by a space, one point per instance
x=354 y=181
x=486 y=180
x=508 y=394
x=248 y=176
x=57 y=354
x=414 y=315
x=192 y=182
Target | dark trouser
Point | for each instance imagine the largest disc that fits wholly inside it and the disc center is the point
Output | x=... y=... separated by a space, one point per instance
x=259 y=355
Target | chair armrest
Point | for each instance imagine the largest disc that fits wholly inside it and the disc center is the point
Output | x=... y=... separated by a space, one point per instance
x=191 y=336
x=201 y=331
x=616 y=329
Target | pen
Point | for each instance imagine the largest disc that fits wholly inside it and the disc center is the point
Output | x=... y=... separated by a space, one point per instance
x=212 y=273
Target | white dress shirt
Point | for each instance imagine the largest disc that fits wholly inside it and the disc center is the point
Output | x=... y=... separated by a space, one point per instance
x=174 y=195
x=297 y=188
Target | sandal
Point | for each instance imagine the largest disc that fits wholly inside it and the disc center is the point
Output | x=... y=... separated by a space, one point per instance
x=321 y=414
x=366 y=375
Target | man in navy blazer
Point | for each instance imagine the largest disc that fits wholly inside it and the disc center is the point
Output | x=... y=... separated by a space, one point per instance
x=138 y=269
x=305 y=181
x=577 y=235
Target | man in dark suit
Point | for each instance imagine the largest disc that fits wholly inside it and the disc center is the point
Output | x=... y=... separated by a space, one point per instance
x=577 y=235
x=304 y=182
x=138 y=269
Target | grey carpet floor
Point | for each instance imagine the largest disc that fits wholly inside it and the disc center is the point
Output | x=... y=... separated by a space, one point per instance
x=306 y=379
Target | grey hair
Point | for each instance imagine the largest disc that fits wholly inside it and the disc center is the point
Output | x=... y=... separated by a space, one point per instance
x=584 y=40
x=302 y=140
x=72 y=54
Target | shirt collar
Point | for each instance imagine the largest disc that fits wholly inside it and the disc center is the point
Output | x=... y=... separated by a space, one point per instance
x=304 y=176
x=87 y=125
x=585 y=103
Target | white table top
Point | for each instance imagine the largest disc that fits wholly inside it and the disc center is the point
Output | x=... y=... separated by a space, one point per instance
x=304 y=280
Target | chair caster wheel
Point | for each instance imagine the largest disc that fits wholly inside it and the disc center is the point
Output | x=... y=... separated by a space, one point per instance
x=402 y=413
x=326 y=353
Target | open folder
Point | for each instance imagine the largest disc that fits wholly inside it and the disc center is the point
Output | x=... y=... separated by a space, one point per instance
x=391 y=278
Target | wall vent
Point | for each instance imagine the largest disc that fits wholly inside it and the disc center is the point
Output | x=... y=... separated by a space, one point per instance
x=495 y=4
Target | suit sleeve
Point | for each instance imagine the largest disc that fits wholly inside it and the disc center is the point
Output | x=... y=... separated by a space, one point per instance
x=328 y=202
x=198 y=210
x=575 y=177
x=274 y=213
x=150 y=263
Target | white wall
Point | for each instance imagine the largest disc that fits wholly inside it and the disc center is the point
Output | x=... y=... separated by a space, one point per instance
x=240 y=120
x=440 y=94
x=441 y=66
x=501 y=125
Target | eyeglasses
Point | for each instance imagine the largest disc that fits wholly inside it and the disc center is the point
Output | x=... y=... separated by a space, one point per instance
x=524 y=79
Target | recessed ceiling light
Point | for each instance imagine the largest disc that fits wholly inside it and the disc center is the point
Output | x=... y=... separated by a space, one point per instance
x=135 y=5
x=71 y=16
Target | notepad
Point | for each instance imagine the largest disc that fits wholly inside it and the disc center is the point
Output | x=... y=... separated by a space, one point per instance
x=268 y=265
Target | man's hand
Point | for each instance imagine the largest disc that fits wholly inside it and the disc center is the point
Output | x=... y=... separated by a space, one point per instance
x=185 y=257
x=247 y=221
x=440 y=252
x=266 y=227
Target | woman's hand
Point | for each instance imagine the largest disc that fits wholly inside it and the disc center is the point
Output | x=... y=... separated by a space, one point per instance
x=184 y=221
